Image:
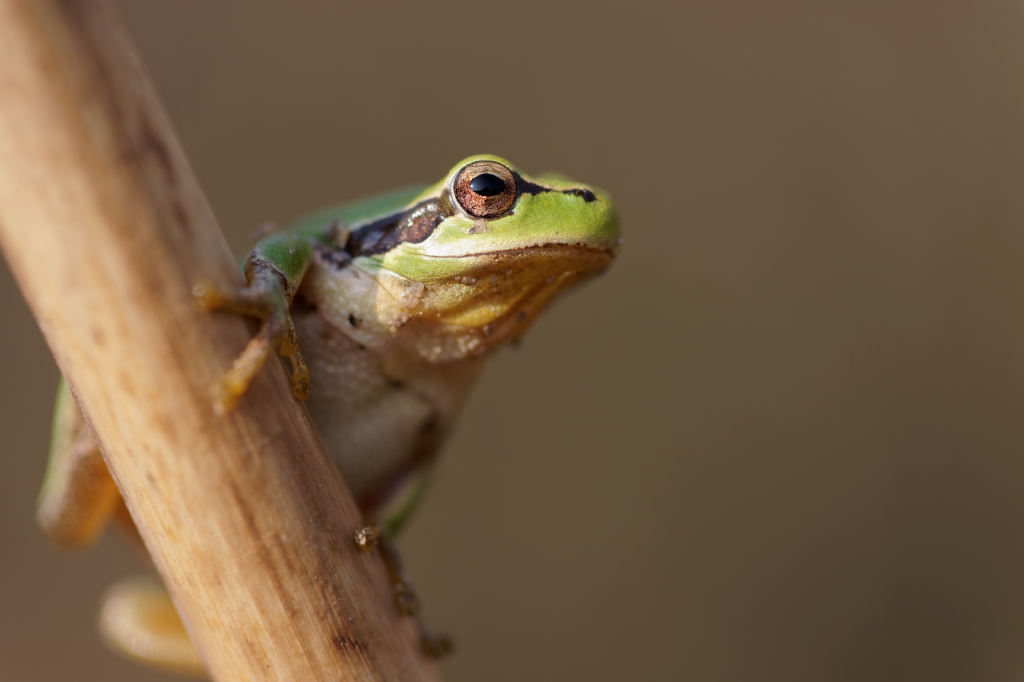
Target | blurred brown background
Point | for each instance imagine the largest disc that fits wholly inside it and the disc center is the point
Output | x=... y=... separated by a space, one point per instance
x=780 y=440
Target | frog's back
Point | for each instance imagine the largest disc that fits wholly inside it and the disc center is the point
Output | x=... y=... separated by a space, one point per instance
x=356 y=212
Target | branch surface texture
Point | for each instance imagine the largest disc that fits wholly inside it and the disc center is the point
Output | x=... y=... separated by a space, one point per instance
x=106 y=230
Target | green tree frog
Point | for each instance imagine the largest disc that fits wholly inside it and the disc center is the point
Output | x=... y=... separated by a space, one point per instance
x=386 y=309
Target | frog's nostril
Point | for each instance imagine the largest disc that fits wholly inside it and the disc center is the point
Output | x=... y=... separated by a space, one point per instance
x=584 y=194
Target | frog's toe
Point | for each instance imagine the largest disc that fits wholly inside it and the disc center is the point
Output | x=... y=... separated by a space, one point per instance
x=139 y=620
x=366 y=537
x=264 y=299
x=212 y=297
x=209 y=295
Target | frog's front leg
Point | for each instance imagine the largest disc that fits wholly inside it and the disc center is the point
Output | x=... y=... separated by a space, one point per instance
x=433 y=644
x=273 y=273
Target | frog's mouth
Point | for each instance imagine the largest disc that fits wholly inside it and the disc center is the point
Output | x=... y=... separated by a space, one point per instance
x=576 y=253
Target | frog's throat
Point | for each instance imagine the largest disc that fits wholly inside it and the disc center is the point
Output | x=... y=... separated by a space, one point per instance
x=495 y=298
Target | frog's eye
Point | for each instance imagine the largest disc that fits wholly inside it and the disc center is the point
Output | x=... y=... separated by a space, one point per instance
x=485 y=189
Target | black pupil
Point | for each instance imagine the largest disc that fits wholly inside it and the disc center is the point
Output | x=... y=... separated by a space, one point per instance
x=487 y=185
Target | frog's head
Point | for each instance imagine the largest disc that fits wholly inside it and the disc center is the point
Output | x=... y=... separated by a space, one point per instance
x=470 y=262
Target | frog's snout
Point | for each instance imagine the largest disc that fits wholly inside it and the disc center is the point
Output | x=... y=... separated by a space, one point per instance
x=603 y=230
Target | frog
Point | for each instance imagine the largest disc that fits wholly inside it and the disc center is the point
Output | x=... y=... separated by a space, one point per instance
x=386 y=310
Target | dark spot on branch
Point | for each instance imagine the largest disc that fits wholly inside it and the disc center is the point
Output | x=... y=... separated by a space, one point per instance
x=345 y=643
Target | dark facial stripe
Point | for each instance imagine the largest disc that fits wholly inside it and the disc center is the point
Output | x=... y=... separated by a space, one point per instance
x=412 y=225
x=417 y=223
x=527 y=187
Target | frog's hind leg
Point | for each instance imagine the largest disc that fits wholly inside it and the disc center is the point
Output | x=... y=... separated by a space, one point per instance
x=77 y=500
x=78 y=495
x=138 y=620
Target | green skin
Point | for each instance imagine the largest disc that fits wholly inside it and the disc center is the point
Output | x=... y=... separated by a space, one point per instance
x=393 y=325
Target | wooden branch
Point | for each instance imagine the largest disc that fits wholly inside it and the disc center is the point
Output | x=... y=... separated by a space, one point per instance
x=106 y=230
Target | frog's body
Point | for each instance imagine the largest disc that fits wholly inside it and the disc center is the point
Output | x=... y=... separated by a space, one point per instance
x=380 y=411
x=394 y=302
x=381 y=421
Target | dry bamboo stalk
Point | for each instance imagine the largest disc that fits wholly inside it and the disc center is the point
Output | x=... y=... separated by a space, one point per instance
x=106 y=230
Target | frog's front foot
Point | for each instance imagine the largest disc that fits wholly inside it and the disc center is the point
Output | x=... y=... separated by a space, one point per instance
x=366 y=538
x=263 y=298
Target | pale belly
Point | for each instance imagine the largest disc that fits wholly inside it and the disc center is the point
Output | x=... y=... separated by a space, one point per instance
x=378 y=426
